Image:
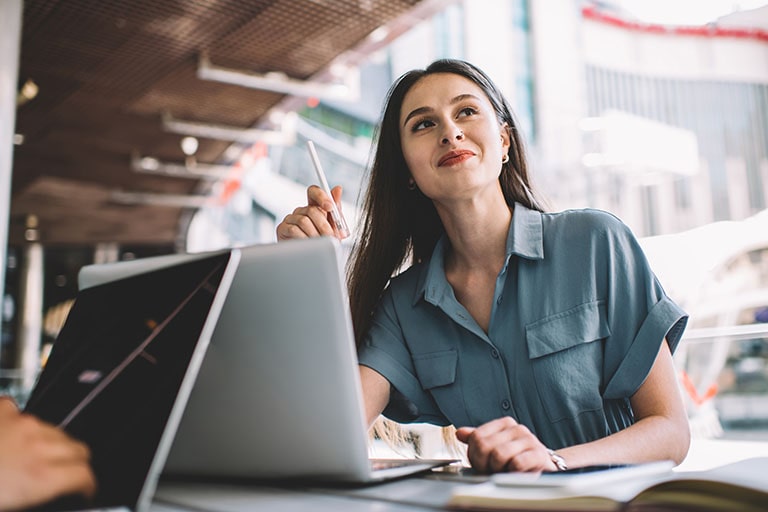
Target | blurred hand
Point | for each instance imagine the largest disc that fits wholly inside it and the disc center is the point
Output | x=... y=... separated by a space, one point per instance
x=314 y=219
x=504 y=445
x=38 y=461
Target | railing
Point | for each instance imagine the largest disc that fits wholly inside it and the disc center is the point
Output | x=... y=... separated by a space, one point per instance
x=724 y=377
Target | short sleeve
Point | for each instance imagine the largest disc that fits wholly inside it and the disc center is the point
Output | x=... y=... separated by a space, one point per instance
x=385 y=351
x=640 y=314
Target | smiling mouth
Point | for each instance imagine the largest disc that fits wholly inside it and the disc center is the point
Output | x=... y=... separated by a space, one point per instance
x=455 y=157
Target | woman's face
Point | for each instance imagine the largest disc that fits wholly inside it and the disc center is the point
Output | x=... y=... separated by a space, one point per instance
x=451 y=138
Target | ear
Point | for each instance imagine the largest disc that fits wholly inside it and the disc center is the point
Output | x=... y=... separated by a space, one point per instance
x=506 y=138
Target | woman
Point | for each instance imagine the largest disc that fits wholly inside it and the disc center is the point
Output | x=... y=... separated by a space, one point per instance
x=529 y=331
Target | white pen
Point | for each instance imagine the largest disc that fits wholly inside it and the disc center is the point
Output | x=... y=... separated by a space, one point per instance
x=338 y=218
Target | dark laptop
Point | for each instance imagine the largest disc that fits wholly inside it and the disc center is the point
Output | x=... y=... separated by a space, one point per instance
x=121 y=370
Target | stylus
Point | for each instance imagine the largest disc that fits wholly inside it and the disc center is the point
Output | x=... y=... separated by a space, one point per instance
x=338 y=218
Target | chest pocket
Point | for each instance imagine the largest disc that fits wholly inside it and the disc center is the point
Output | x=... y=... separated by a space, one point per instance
x=567 y=358
x=436 y=372
x=436 y=369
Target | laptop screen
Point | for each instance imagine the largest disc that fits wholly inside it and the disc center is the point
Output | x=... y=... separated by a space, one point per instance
x=116 y=368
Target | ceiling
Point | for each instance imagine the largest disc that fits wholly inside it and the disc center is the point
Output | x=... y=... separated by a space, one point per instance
x=107 y=72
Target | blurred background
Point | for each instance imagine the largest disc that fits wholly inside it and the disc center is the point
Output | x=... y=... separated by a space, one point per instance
x=131 y=129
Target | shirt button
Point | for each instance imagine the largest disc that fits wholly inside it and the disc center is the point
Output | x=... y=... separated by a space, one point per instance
x=505 y=404
x=495 y=353
x=498 y=301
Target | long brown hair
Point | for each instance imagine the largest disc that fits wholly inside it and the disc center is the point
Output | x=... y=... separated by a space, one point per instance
x=398 y=222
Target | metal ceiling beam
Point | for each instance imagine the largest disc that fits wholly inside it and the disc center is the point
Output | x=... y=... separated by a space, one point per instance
x=286 y=136
x=198 y=171
x=348 y=90
x=157 y=199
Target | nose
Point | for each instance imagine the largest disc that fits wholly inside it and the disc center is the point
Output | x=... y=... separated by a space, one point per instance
x=452 y=132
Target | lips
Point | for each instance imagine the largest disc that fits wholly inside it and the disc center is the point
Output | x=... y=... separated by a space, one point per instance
x=454 y=157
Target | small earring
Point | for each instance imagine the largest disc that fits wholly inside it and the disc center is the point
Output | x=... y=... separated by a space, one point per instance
x=505 y=158
x=411 y=184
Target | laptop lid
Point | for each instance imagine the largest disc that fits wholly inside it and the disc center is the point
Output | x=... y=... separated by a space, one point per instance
x=278 y=395
x=122 y=367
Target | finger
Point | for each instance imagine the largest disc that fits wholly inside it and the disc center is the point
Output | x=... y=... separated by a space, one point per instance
x=528 y=460
x=288 y=231
x=78 y=479
x=463 y=433
x=296 y=227
x=317 y=197
x=521 y=452
x=61 y=448
x=319 y=218
x=336 y=192
x=487 y=444
x=478 y=451
x=8 y=406
x=504 y=456
x=313 y=220
x=59 y=480
x=494 y=426
x=308 y=221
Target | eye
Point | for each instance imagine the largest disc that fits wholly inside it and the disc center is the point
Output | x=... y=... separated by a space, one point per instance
x=421 y=125
x=467 y=111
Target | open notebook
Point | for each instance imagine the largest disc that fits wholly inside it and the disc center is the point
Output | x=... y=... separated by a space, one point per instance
x=123 y=366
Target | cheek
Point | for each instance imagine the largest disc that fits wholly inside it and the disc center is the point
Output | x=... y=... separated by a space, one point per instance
x=414 y=156
x=497 y=147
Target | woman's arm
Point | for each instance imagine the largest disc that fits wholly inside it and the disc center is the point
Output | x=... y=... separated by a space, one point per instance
x=375 y=393
x=660 y=432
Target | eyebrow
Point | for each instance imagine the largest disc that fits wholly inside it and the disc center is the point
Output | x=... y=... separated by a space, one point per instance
x=423 y=110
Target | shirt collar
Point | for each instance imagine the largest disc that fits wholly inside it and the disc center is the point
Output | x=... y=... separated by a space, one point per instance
x=524 y=238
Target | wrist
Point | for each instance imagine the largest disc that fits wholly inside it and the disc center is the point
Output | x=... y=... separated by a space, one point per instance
x=557 y=460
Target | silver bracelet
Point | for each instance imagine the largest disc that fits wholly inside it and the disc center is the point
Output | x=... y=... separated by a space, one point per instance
x=558 y=460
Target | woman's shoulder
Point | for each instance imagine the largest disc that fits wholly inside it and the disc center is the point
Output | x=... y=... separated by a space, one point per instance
x=586 y=228
x=409 y=276
x=578 y=219
x=408 y=280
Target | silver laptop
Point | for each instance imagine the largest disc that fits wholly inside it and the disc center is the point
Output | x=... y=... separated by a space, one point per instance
x=278 y=395
x=121 y=370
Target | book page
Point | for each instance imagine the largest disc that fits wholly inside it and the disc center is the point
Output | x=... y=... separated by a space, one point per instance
x=739 y=486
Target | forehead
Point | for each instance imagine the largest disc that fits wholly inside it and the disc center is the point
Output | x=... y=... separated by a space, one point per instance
x=437 y=90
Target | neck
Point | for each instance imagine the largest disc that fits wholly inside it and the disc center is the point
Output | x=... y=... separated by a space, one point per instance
x=477 y=229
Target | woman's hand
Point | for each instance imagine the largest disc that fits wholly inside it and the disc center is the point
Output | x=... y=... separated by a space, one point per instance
x=504 y=445
x=311 y=220
x=39 y=462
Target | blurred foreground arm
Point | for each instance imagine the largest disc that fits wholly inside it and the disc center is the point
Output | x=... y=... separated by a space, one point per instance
x=39 y=462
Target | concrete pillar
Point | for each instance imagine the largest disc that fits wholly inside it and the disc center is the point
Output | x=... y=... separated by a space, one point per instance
x=10 y=34
x=30 y=330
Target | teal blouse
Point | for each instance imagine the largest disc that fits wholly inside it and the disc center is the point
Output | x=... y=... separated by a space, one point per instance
x=578 y=319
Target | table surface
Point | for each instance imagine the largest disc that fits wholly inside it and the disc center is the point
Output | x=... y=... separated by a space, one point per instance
x=406 y=495
x=414 y=494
